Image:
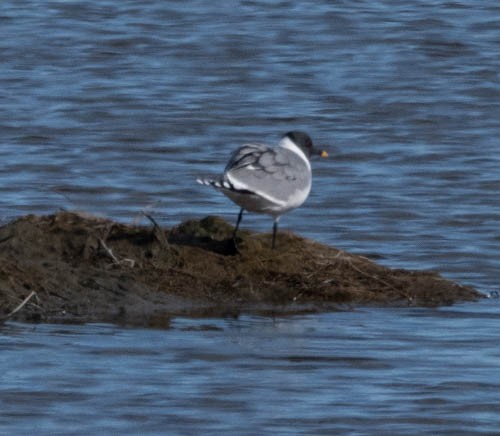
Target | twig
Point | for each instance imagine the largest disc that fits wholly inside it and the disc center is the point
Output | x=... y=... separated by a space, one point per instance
x=18 y=308
x=150 y=218
x=149 y=207
x=109 y=251
x=126 y=260
x=157 y=231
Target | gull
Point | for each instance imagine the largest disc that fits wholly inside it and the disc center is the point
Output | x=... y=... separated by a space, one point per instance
x=267 y=180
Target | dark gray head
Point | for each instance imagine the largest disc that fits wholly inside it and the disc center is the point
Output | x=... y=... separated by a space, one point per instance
x=304 y=142
x=301 y=140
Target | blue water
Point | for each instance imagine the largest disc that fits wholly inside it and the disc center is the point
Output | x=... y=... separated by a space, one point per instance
x=115 y=107
x=404 y=371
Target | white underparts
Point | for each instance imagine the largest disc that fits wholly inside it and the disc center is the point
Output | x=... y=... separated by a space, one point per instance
x=239 y=186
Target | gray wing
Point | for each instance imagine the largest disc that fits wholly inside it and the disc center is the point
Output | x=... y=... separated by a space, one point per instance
x=277 y=172
x=246 y=155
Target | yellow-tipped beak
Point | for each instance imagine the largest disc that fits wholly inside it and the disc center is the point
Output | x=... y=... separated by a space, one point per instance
x=324 y=153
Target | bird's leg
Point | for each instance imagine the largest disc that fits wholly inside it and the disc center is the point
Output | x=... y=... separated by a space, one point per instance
x=240 y=216
x=235 y=231
x=275 y=229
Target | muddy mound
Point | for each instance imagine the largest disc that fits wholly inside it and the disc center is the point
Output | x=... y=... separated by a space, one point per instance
x=76 y=268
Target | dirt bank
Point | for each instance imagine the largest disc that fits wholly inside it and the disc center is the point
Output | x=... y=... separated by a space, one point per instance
x=86 y=269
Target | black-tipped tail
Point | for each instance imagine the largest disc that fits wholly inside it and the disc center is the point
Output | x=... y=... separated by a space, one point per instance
x=217 y=184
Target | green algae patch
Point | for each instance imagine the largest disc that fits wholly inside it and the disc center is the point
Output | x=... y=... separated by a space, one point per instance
x=72 y=267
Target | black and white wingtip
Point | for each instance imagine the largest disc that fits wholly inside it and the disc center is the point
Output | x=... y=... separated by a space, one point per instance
x=217 y=184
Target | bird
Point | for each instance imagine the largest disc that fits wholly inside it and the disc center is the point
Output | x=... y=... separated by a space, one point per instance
x=267 y=180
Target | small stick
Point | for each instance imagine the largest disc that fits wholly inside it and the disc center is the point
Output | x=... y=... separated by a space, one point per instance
x=126 y=260
x=158 y=232
x=150 y=218
x=144 y=212
x=18 y=308
x=109 y=251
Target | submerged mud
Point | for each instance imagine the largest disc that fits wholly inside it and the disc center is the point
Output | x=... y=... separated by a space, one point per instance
x=80 y=268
